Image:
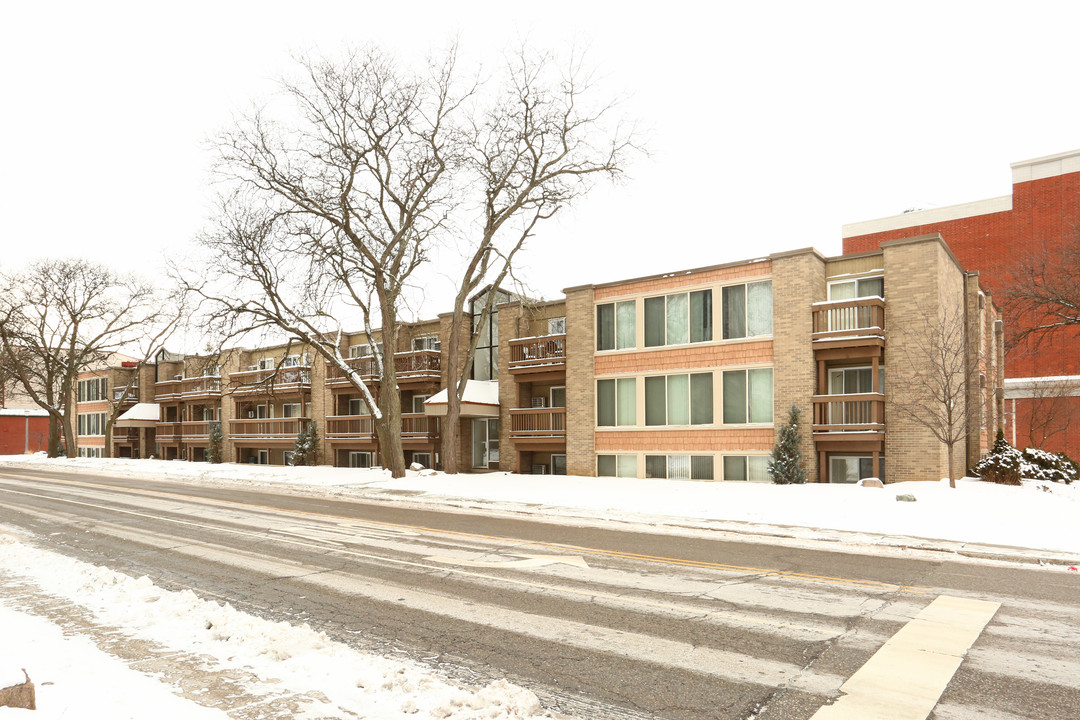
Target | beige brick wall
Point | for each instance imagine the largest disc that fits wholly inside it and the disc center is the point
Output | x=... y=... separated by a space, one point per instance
x=798 y=282
x=580 y=403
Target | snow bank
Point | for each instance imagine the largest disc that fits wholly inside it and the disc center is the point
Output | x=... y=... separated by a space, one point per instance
x=283 y=656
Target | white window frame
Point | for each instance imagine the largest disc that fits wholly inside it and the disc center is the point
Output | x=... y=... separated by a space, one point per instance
x=427 y=463
x=299 y=410
x=355 y=456
x=746 y=398
x=427 y=342
x=846 y=281
x=263 y=457
x=689 y=405
x=557 y=326
x=615 y=347
x=551 y=396
x=759 y=459
x=596 y=415
x=421 y=398
x=746 y=311
x=626 y=464
x=689 y=330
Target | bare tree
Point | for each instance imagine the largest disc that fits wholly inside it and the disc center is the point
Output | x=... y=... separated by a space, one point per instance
x=1050 y=408
x=537 y=148
x=59 y=318
x=331 y=211
x=1044 y=292
x=938 y=370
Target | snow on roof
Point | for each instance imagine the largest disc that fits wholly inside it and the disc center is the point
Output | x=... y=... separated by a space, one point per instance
x=142 y=411
x=23 y=412
x=477 y=392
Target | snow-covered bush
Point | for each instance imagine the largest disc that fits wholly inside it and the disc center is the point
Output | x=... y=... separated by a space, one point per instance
x=785 y=463
x=1043 y=465
x=307 y=446
x=1003 y=464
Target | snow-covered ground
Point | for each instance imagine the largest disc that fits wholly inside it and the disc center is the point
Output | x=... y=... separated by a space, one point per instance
x=1038 y=516
x=269 y=663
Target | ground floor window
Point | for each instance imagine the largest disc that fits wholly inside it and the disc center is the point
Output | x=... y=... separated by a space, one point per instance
x=747 y=468
x=359 y=459
x=422 y=458
x=90 y=452
x=616 y=466
x=853 y=468
x=258 y=457
x=679 y=467
x=558 y=464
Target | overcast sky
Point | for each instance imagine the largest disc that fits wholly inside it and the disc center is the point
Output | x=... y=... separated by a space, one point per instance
x=772 y=124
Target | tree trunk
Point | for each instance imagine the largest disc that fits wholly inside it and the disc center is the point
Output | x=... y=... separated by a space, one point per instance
x=388 y=428
x=451 y=428
x=952 y=482
x=54 y=436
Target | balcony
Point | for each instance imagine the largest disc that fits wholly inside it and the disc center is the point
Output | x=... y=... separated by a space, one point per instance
x=267 y=428
x=546 y=424
x=196 y=430
x=350 y=427
x=538 y=356
x=418 y=366
x=837 y=416
x=167 y=390
x=168 y=432
x=418 y=426
x=131 y=399
x=849 y=323
x=271 y=381
x=200 y=388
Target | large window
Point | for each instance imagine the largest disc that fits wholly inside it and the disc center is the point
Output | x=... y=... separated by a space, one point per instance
x=748 y=396
x=616 y=466
x=90 y=424
x=751 y=468
x=485 y=442
x=851 y=289
x=678 y=319
x=616 y=402
x=748 y=310
x=616 y=325
x=679 y=399
x=679 y=467
x=92 y=390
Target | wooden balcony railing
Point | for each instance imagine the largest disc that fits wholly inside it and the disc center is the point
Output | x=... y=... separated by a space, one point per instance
x=840 y=318
x=267 y=428
x=282 y=380
x=849 y=413
x=416 y=365
x=538 y=422
x=418 y=426
x=168 y=432
x=196 y=429
x=340 y=427
x=548 y=351
x=167 y=390
x=200 y=387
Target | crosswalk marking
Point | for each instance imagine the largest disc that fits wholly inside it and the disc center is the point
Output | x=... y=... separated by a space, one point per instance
x=905 y=678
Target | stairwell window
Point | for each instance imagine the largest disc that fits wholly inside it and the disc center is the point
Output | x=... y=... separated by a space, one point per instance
x=616 y=402
x=679 y=319
x=748 y=310
x=679 y=399
x=616 y=325
x=748 y=396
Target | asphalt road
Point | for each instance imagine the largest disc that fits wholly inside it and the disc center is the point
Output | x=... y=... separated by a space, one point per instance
x=599 y=622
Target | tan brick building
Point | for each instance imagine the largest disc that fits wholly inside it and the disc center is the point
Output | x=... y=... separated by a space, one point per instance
x=683 y=375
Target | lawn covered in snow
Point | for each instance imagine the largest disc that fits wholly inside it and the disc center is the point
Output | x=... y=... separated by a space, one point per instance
x=1037 y=515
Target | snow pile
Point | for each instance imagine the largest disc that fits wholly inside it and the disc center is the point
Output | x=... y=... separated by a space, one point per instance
x=283 y=656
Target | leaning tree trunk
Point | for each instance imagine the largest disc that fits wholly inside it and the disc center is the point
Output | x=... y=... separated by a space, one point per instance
x=54 y=436
x=451 y=427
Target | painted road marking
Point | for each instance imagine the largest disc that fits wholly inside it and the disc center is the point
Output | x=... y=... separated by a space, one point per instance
x=524 y=561
x=708 y=565
x=905 y=678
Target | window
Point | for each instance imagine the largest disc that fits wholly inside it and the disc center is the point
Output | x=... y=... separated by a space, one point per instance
x=212 y=371
x=558 y=464
x=679 y=399
x=359 y=459
x=678 y=319
x=616 y=466
x=359 y=406
x=485 y=442
x=486 y=358
x=851 y=289
x=266 y=363
x=679 y=467
x=91 y=424
x=288 y=457
x=747 y=468
x=264 y=457
x=290 y=410
x=748 y=396
x=428 y=342
x=297 y=360
x=422 y=458
x=92 y=390
x=616 y=402
x=90 y=452
x=747 y=310
x=363 y=350
x=616 y=325
x=558 y=396
x=557 y=326
x=853 y=468
x=418 y=406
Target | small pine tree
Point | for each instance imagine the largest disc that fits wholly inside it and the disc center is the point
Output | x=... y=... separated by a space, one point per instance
x=217 y=438
x=785 y=463
x=306 y=447
x=1003 y=465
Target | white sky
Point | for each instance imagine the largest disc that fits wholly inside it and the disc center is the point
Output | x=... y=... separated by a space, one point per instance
x=772 y=123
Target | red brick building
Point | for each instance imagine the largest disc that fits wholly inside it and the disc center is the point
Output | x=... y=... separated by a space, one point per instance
x=995 y=237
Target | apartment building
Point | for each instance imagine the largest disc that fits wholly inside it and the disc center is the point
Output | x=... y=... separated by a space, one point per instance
x=684 y=375
x=108 y=393
x=996 y=237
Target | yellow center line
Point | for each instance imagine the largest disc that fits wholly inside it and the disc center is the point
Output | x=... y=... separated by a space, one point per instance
x=495 y=539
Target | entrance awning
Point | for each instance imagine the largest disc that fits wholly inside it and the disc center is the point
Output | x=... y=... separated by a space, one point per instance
x=481 y=399
x=141 y=415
